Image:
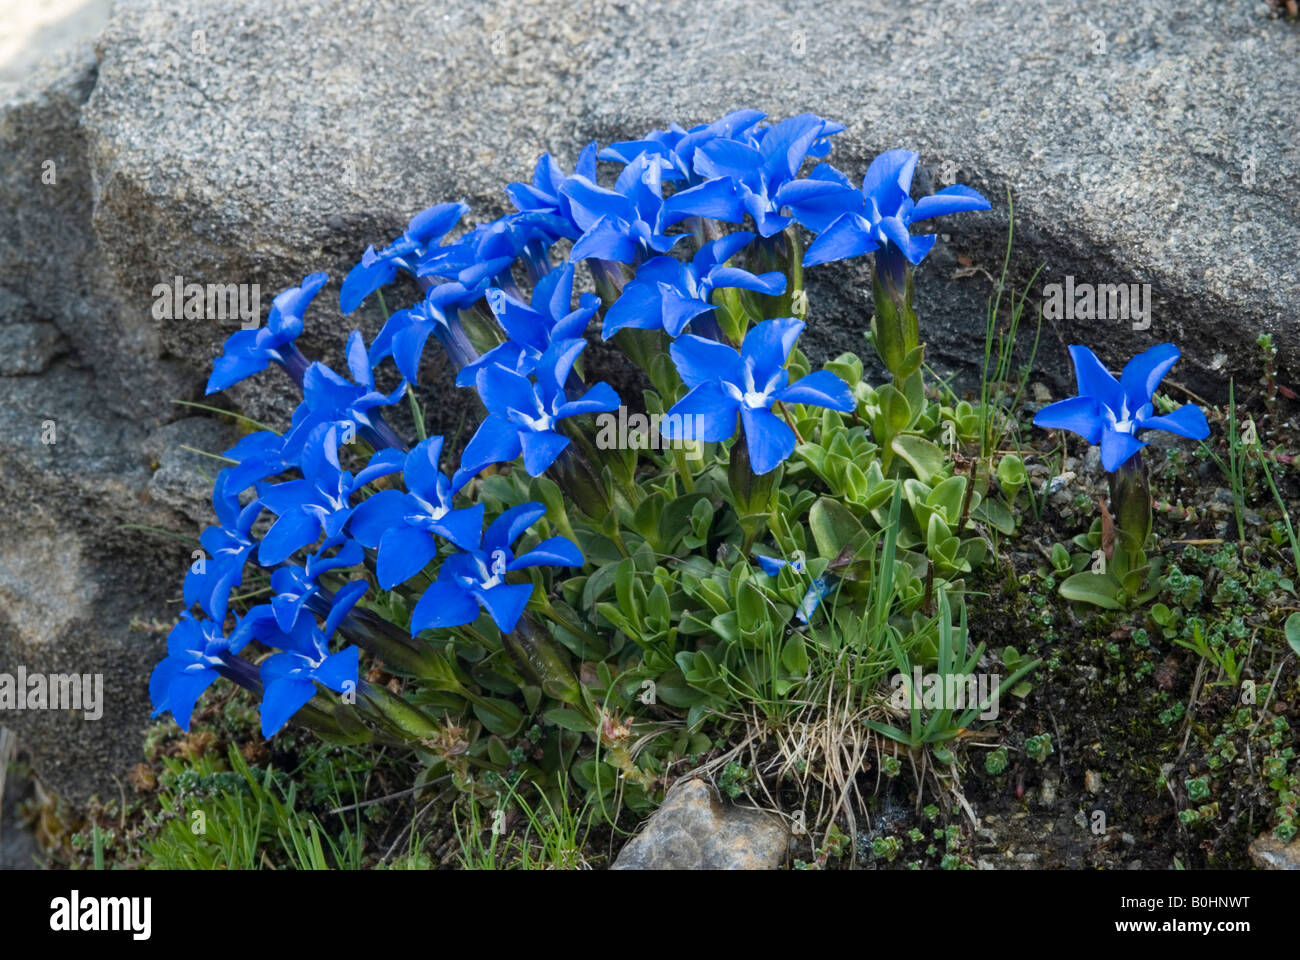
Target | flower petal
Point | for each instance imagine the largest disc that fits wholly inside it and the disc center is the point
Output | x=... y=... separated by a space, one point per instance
x=706 y=414
x=821 y=389
x=700 y=360
x=1081 y=415
x=551 y=552
x=1094 y=380
x=444 y=604
x=955 y=199
x=767 y=345
x=767 y=437
x=1187 y=421
x=1144 y=372
x=540 y=448
x=403 y=552
x=1117 y=448
x=847 y=237
x=506 y=602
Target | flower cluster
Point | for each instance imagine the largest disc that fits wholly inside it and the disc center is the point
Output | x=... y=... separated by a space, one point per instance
x=355 y=559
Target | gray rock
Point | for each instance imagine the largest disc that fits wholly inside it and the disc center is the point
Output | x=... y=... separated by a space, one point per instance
x=695 y=830
x=27 y=348
x=183 y=477
x=252 y=142
x=1270 y=853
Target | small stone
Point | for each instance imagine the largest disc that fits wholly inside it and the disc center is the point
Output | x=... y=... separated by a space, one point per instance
x=695 y=830
x=1047 y=796
x=1092 y=782
x=1270 y=853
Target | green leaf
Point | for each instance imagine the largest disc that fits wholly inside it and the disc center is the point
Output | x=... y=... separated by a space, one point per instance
x=848 y=367
x=925 y=459
x=569 y=720
x=1099 y=589
x=1293 y=632
x=795 y=656
x=501 y=717
x=834 y=527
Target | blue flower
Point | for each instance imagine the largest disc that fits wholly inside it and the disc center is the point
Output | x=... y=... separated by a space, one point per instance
x=210 y=579
x=194 y=660
x=531 y=329
x=1113 y=412
x=297 y=587
x=307 y=508
x=476 y=577
x=877 y=217
x=523 y=413
x=674 y=149
x=668 y=294
x=377 y=270
x=724 y=382
x=329 y=398
x=545 y=196
x=622 y=224
x=257 y=456
x=404 y=335
x=745 y=176
x=489 y=250
x=401 y=525
x=289 y=678
x=816 y=592
x=250 y=351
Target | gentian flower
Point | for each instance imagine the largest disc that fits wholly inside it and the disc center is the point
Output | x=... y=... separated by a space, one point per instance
x=476 y=578
x=404 y=335
x=250 y=351
x=401 y=525
x=307 y=508
x=817 y=591
x=377 y=270
x=227 y=550
x=523 y=413
x=296 y=587
x=674 y=149
x=622 y=224
x=197 y=653
x=531 y=329
x=1112 y=413
x=544 y=194
x=289 y=678
x=745 y=177
x=877 y=217
x=257 y=456
x=724 y=382
x=488 y=251
x=669 y=294
x=329 y=398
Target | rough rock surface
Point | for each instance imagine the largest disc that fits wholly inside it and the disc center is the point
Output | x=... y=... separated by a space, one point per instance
x=1270 y=853
x=248 y=141
x=695 y=830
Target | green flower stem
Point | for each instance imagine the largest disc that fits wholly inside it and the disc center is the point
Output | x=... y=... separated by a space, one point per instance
x=542 y=604
x=751 y=495
x=894 y=327
x=1130 y=502
x=544 y=661
x=393 y=711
